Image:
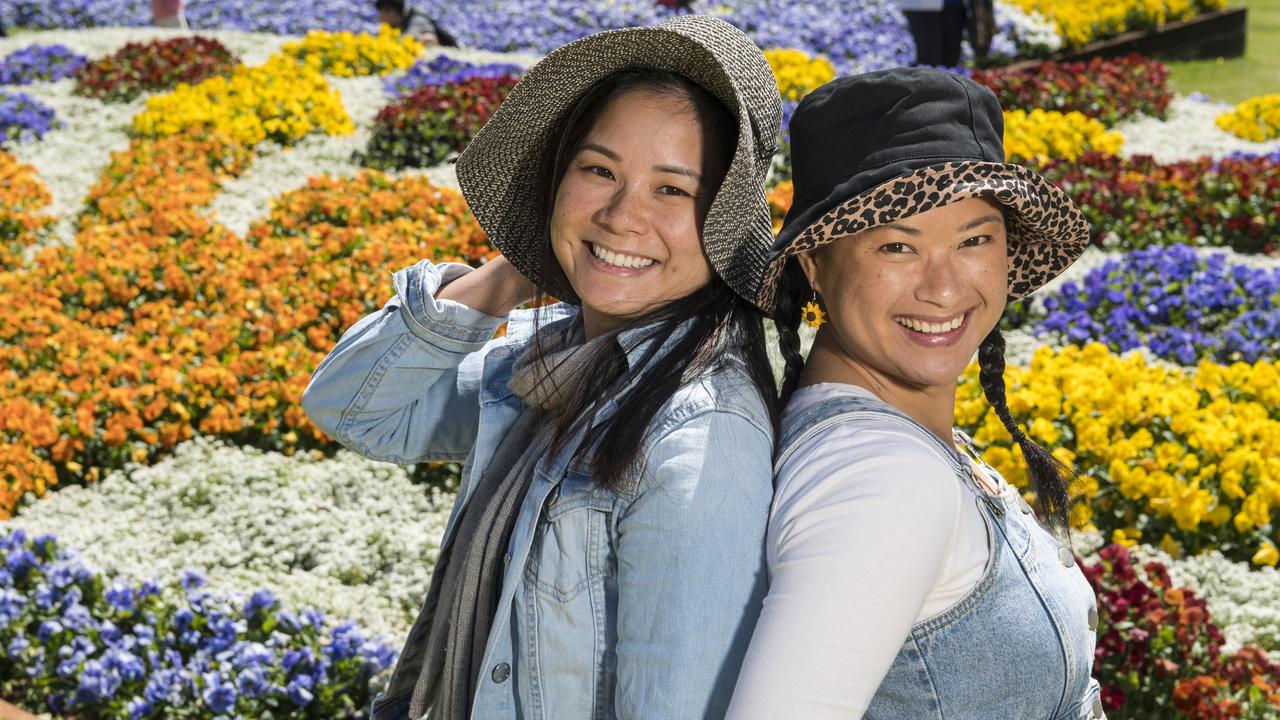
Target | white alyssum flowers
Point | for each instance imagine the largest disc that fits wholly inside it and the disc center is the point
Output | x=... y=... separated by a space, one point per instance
x=352 y=537
x=1188 y=134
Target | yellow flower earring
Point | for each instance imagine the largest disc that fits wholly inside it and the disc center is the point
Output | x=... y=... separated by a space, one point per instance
x=812 y=313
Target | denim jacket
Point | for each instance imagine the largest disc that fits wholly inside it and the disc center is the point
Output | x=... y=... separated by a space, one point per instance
x=634 y=603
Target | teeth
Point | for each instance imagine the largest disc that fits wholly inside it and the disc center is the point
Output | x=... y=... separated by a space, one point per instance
x=618 y=259
x=931 y=328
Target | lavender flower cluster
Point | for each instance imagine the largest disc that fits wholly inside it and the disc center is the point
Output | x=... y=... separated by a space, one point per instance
x=855 y=36
x=283 y=17
x=23 y=118
x=538 y=26
x=75 y=642
x=1273 y=156
x=442 y=70
x=39 y=63
x=1181 y=305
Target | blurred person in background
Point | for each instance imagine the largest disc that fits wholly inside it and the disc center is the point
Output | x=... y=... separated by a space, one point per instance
x=938 y=27
x=169 y=14
x=411 y=22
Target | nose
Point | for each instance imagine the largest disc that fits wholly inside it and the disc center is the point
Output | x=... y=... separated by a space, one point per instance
x=940 y=281
x=624 y=213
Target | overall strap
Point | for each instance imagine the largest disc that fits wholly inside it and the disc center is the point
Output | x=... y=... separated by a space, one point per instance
x=833 y=411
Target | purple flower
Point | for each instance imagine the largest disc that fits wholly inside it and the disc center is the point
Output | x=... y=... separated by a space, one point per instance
x=260 y=600
x=219 y=696
x=192 y=579
x=22 y=119
x=1181 y=305
x=39 y=63
x=444 y=70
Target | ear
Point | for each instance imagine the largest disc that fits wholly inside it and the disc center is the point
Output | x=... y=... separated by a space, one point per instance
x=809 y=266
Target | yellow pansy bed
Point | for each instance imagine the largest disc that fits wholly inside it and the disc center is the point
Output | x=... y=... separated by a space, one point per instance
x=281 y=100
x=1189 y=459
x=346 y=54
x=797 y=72
x=1043 y=135
x=1256 y=119
x=1083 y=21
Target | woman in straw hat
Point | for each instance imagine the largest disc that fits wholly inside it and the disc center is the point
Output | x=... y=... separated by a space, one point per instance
x=605 y=555
x=907 y=579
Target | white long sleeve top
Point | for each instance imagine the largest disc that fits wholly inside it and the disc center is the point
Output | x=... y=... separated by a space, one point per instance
x=870 y=533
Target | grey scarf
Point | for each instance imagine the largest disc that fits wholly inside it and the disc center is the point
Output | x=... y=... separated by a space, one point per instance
x=468 y=578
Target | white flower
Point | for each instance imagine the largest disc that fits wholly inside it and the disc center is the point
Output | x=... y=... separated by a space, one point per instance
x=350 y=536
x=1188 y=134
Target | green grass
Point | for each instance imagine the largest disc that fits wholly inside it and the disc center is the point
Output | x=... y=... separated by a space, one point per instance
x=1235 y=79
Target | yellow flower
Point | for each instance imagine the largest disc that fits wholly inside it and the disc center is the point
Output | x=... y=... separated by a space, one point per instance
x=1267 y=554
x=1042 y=135
x=1256 y=119
x=797 y=73
x=346 y=54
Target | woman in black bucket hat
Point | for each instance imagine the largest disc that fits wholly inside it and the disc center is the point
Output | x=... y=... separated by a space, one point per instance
x=907 y=578
x=605 y=553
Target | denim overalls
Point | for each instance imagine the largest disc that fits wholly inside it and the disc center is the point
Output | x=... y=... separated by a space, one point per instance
x=1020 y=644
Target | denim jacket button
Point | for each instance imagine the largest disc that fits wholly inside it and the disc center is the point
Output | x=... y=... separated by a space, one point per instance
x=1096 y=711
x=506 y=559
x=501 y=672
x=1093 y=620
x=1066 y=557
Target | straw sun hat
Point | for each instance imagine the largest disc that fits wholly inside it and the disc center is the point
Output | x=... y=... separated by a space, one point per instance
x=503 y=174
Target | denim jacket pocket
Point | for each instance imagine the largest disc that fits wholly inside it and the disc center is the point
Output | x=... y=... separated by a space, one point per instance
x=571 y=542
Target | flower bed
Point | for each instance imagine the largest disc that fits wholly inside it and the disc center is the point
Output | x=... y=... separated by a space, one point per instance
x=1108 y=90
x=39 y=63
x=1137 y=202
x=158 y=324
x=1165 y=455
x=281 y=100
x=280 y=17
x=1042 y=135
x=22 y=197
x=797 y=72
x=1256 y=119
x=1178 y=304
x=1245 y=601
x=78 y=643
x=445 y=70
x=138 y=68
x=316 y=530
x=855 y=36
x=433 y=123
x=24 y=118
x=347 y=54
x=1083 y=21
x=1159 y=653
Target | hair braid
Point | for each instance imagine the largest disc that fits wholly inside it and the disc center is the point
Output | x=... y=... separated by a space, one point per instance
x=786 y=318
x=1049 y=476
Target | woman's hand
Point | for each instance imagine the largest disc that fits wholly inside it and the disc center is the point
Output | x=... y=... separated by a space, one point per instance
x=495 y=288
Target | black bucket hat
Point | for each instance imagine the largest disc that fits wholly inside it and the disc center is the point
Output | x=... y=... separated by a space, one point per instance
x=875 y=148
x=502 y=171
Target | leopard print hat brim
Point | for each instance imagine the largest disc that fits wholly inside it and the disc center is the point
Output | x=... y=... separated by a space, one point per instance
x=1046 y=231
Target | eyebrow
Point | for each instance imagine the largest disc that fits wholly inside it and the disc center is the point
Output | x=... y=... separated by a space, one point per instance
x=669 y=169
x=966 y=227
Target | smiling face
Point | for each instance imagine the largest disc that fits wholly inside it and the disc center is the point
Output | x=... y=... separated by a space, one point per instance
x=626 y=227
x=910 y=302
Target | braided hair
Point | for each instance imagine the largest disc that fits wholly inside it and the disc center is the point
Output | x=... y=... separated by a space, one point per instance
x=792 y=288
x=1049 y=476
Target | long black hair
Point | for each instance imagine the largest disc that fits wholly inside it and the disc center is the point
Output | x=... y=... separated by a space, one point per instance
x=1050 y=478
x=723 y=328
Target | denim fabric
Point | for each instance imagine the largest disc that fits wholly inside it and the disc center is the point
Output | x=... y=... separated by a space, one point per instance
x=631 y=603
x=1020 y=644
